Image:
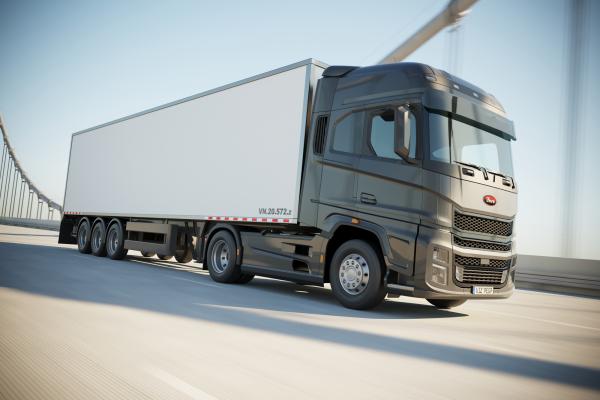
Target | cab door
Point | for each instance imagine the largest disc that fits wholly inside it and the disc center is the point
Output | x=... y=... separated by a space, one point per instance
x=388 y=186
x=340 y=161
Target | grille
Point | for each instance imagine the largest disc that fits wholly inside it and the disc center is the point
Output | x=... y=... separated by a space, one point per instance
x=320 y=134
x=503 y=264
x=483 y=225
x=470 y=270
x=480 y=276
x=476 y=244
x=460 y=260
x=476 y=262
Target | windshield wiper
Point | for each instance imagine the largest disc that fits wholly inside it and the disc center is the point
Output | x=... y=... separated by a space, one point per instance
x=479 y=167
x=506 y=179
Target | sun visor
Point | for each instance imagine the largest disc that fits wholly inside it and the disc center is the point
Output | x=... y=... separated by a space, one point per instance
x=479 y=112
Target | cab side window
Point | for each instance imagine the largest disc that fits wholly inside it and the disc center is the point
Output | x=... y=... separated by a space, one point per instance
x=344 y=139
x=382 y=134
x=382 y=128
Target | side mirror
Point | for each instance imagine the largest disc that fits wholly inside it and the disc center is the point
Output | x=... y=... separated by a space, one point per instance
x=402 y=133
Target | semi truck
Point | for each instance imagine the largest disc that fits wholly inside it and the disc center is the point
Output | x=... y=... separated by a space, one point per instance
x=383 y=180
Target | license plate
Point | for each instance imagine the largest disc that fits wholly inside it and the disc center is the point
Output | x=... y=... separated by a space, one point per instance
x=483 y=290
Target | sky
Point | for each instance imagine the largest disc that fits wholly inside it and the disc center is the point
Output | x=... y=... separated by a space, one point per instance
x=69 y=65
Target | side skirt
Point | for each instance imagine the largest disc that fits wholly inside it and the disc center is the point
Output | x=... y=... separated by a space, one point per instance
x=298 y=277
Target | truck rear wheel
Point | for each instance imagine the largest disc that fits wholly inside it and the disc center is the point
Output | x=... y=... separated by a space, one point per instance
x=164 y=257
x=147 y=253
x=356 y=275
x=445 y=304
x=115 y=241
x=99 y=238
x=221 y=258
x=84 y=234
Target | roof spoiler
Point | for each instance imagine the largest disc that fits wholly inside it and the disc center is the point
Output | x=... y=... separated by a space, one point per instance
x=337 y=71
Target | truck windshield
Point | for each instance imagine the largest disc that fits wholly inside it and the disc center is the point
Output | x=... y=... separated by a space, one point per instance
x=468 y=144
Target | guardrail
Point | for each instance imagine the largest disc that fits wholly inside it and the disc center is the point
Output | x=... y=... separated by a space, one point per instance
x=31 y=223
x=19 y=197
x=561 y=275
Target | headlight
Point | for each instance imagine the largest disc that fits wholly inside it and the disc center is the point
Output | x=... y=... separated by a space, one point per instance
x=441 y=255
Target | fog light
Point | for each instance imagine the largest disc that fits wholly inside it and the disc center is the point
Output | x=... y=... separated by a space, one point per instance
x=439 y=274
x=440 y=255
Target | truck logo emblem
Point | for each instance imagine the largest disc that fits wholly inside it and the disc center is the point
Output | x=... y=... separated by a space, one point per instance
x=489 y=200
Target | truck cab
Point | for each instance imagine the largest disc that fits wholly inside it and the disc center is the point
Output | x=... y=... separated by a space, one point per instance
x=418 y=163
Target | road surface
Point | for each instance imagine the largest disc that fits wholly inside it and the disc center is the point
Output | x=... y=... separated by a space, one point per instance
x=75 y=326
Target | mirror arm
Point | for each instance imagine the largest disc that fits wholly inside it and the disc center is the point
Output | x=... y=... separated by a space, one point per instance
x=399 y=133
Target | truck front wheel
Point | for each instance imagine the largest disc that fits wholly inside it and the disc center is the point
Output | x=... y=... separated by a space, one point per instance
x=221 y=258
x=356 y=275
x=446 y=304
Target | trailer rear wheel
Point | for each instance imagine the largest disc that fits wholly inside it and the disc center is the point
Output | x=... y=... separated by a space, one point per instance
x=445 y=304
x=221 y=258
x=84 y=240
x=99 y=238
x=164 y=257
x=356 y=275
x=147 y=253
x=115 y=241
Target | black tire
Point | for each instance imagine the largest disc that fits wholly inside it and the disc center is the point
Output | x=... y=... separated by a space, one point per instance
x=147 y=253
x=164 y=257
x=115 y=241
x=446 y=304
x=184 y=255
x=98 y=238
x=362 y=267
x=245 y=278
x=221 y=258
x=84 y=237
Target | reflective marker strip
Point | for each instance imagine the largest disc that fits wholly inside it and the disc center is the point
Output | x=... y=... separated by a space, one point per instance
x=250 y=219
x=242 y=219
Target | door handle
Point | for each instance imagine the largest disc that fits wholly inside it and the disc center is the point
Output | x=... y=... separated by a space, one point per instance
x=368 y=198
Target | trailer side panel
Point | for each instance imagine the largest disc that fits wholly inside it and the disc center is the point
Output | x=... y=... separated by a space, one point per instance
x=233 y=153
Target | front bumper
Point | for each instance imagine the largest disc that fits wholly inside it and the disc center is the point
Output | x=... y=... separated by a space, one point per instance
x=440 y=277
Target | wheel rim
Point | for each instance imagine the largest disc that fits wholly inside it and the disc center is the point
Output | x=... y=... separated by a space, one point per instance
x=113 y=241
x=83 y=232
x=354 y=274
x=96 y=238
x=220 y=256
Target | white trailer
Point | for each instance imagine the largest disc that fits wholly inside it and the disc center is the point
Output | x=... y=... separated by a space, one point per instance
x=175 y=161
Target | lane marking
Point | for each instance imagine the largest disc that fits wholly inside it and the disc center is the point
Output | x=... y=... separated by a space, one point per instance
x=193 y=281
x=544 y=320
x=179 y=384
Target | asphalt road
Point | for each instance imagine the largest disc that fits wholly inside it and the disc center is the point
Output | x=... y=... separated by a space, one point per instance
x=75 y=326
